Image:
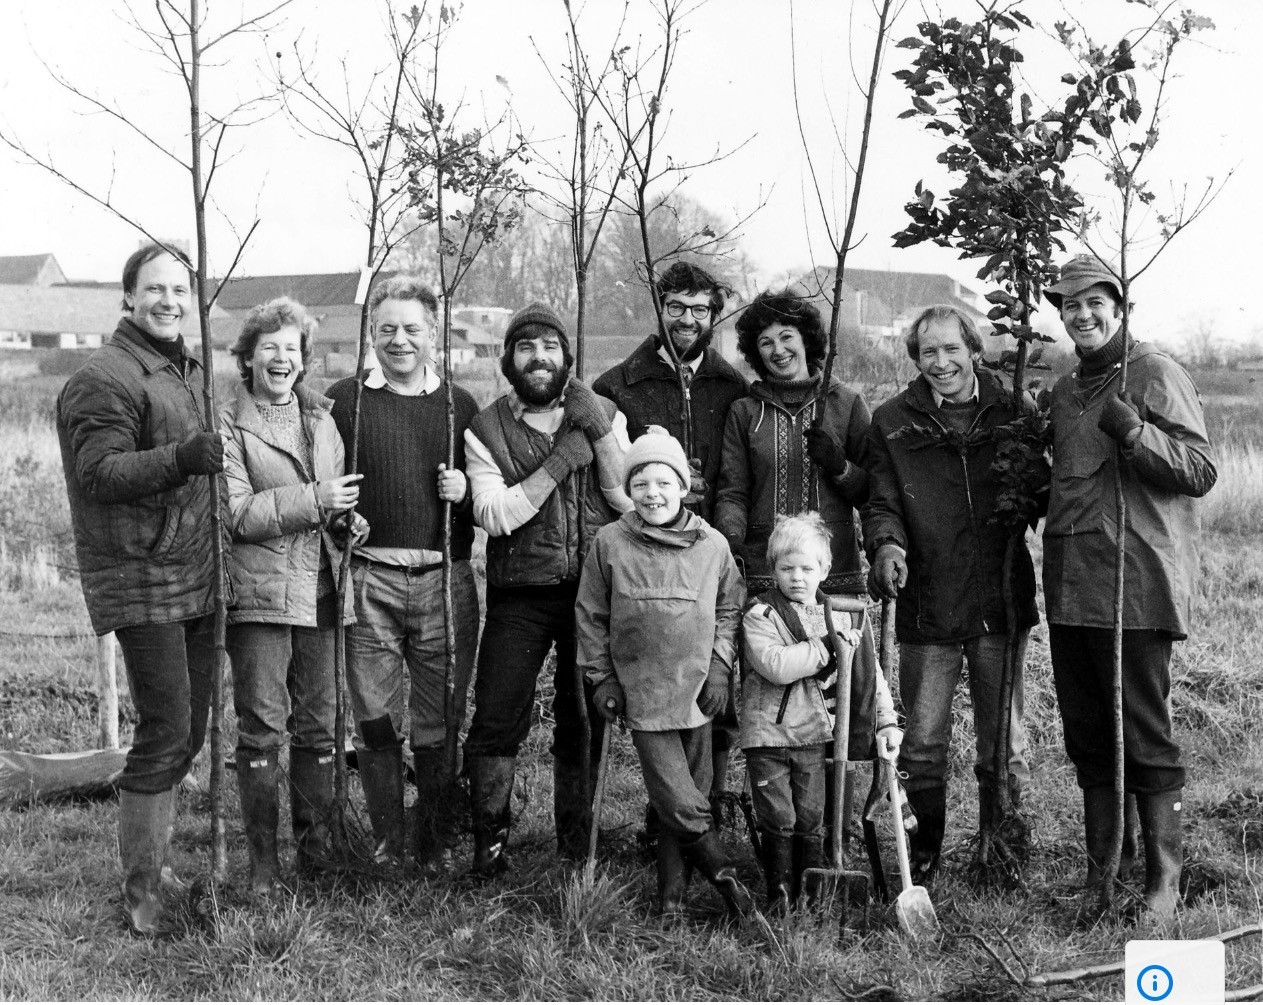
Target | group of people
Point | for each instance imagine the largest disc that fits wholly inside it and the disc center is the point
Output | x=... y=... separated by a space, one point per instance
x=668 y=584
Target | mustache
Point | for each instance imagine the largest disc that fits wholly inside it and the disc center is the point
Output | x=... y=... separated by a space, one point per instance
x=540 y=365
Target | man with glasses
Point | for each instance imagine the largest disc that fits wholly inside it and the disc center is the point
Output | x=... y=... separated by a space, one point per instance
x=646 y=389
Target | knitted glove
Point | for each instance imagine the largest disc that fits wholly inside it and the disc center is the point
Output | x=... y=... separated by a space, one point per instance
x=583 y=408
x=697 y=484
x=571 y=452
x=200 y=454
x=825 y=451
x=610 y=699
x=890 y=570
x=1119 y=418
x=714 y=696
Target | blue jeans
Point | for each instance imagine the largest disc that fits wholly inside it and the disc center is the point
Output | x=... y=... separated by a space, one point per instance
x=676 y=764
x=169 y=669
x=399 y=623
x=282 y=677
x=927 y=682
x=787 y=785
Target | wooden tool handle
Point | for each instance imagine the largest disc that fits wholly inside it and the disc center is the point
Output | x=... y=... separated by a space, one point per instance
x=901 y=839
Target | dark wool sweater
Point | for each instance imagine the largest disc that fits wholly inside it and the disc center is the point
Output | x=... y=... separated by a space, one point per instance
x=402 y=443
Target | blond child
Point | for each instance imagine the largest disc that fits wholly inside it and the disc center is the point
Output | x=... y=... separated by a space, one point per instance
x=785 y=723
x=657 y=615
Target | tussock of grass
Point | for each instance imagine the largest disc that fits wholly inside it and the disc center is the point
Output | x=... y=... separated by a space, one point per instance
x=1235 y=504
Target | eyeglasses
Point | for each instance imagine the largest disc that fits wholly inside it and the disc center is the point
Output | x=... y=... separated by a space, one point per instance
x=675 y=309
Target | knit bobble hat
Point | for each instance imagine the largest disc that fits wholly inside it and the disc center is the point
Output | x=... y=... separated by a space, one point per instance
x=656 y=446
x=535 y=314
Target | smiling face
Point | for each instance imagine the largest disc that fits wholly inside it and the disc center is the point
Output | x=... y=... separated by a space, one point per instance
x=275 y=364
x=656 y=492
x=163 y=295
x=782 y=351
x=539 y=368
x=945 y=360
x=798 y=576
x=686 y=329
x=403 y=339
x=1092 y=317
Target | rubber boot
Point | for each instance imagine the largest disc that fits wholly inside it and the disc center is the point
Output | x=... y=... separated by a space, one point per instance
x=172 y=885
x=143 y=834
x=718 y=785
x=311 y=808
x=381 y=776
x=808 y=853
x=1098 y=829
x=490 y=787
x=432 y=849
x=778 y=872
x=1161 y=824
x=707 y=853
x=257 y=779
x=1131 y=838
x=572 y=808
x=673 y=875
x=926 y=843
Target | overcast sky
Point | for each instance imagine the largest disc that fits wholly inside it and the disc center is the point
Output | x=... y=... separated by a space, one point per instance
x=733 y=83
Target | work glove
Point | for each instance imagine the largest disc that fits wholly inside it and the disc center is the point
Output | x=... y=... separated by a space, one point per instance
x=826 y=451
x=582 y=407
x=1119 y=418
x=697 y=484
x=890 y=569
x=571 y=452
x=714 y=696
x=201 y=454
x=610 y=699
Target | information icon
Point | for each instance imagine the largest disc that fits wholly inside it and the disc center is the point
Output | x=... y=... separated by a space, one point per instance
x=1154 y=983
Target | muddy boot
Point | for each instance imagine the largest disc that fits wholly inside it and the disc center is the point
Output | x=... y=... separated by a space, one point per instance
x=926 y=843
x=432 y=848
x=311 y=808
x=718 y=785
x=1131 y=838
x=1098 y=829
x=1162 y=826
x=143 y=834
x=572 y=808
x=381 y=776
x=808 y=853
x=673 y=875
x=778 y=872
x=257 y=779
x=490 y=786
x=707 y=853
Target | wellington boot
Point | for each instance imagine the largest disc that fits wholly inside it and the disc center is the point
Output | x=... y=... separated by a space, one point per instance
x=778 y=872
x=572 y=808
x=926 y=843
x=381 y=776
x=808 y=853
x=257 y=778
x=673 y=875
x=1098 y=830
x=707 y=853
x=490 y=788
x=718 y=785
x=1131 y=838
x=144 y=829
x=1162 y=825
x=435 y=814
x=311 y=808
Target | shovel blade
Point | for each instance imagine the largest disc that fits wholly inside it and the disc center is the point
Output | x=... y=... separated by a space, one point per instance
x=916 y=913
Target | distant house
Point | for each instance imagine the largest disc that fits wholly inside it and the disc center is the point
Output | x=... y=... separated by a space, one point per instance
x=30 y=270
x=483 y=328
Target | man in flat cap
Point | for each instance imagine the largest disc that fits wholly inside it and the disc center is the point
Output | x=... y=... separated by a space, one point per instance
x=1152 y=434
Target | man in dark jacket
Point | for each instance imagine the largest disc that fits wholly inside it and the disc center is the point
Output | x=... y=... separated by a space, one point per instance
x=545 y=467
x=135 y=447
x=646 y=390
x=930 y=537
x=1152 y=435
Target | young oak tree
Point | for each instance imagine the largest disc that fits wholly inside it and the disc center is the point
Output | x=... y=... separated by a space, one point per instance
x=183 y=36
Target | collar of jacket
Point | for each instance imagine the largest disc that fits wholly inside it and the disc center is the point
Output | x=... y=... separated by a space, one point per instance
x=763 y=391
x=127 y=336
x=990 y=392
x=1089 y=388
x=246 y=408
x=687 y=534
x=645 y=364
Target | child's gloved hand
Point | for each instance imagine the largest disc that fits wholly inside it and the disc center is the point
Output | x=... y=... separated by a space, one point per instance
x=609 y=699
x=714 y=696
x=889 y=740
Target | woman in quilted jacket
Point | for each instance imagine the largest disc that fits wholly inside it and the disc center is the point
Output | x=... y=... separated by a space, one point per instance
x=284 y=465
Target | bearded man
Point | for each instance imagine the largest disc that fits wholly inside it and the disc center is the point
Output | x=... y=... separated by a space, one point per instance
x=545 y=466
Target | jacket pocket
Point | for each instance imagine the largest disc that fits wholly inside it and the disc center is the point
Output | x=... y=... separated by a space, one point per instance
x=1078 y=486
x=168 y=532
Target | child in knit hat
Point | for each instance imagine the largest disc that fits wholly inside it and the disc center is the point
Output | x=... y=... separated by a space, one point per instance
x=657 y=615
x=787 y=663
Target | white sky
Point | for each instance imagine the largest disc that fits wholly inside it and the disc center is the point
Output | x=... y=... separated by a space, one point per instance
x=732 y=82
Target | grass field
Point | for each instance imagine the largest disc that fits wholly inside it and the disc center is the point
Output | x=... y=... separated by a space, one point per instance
x=543 y=933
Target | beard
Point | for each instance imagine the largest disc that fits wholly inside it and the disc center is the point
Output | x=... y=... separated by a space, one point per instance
x=701 y=335
x=534 y=394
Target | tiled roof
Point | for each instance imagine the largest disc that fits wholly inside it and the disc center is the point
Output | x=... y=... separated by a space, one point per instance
x=65 y=309
x=313 y=290
x=22 y=269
